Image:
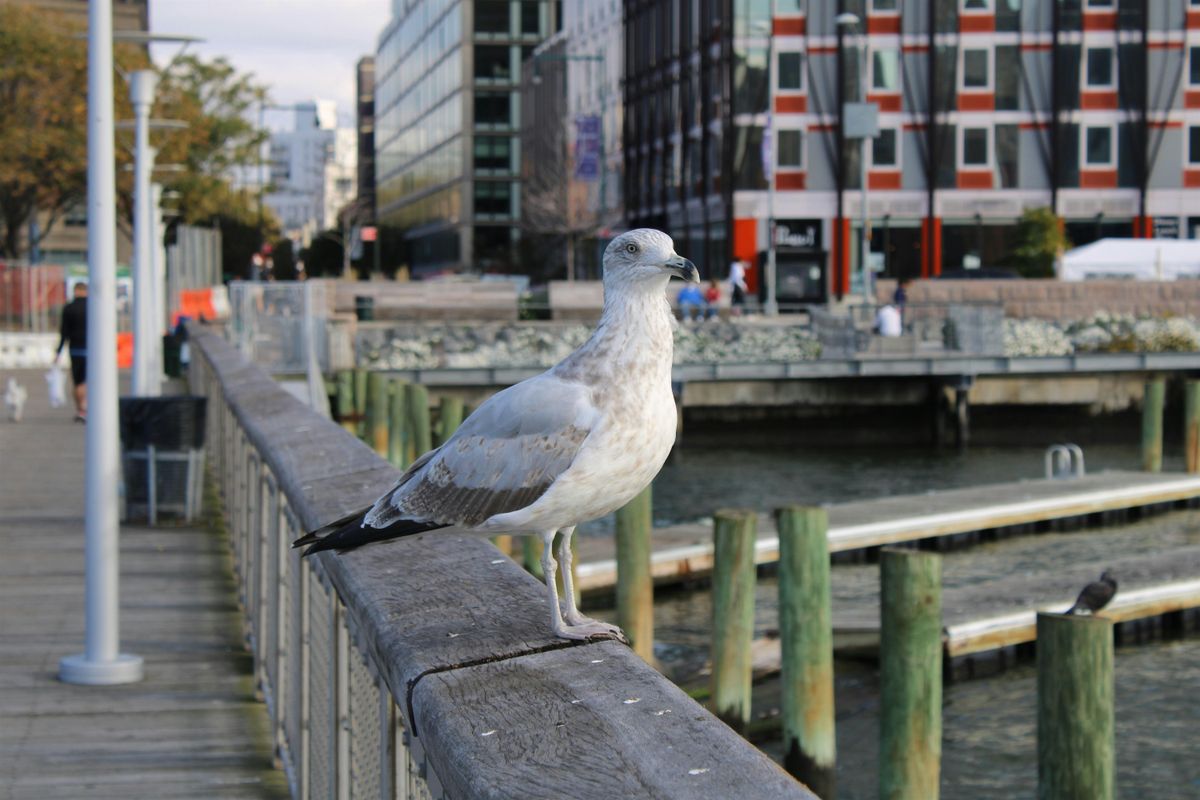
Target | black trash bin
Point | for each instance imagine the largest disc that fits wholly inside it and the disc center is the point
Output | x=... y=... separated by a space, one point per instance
x=364 y=307
x=171 y=348
x=162 y=446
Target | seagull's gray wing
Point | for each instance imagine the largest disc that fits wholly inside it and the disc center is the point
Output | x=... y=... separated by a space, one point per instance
x=503 y=457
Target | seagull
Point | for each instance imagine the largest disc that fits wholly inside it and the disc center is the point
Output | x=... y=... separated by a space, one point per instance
x=571 y=444
x=1096 y=595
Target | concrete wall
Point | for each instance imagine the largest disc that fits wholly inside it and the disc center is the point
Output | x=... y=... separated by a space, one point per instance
x=1056 y=300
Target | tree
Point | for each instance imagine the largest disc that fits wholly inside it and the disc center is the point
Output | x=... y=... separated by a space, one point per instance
x=323 y=258
x=1038 y=240
x=43 y=121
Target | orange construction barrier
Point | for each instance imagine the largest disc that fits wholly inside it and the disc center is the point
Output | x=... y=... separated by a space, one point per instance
x=124 y=350
x=195 y=304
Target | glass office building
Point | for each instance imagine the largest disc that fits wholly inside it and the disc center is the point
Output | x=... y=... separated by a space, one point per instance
x=447 y=128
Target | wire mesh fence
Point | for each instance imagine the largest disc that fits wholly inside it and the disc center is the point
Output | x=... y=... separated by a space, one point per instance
x=336 y=725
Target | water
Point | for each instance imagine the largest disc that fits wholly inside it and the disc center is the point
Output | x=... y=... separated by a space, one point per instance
x=989 y=727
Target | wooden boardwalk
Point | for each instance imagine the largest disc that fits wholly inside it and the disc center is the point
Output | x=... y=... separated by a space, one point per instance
x=192 y=728
x=685 y=551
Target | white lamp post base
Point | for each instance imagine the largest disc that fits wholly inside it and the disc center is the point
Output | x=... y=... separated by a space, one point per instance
x=78 y=669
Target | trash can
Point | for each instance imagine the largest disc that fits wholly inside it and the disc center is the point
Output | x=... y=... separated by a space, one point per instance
x=171 y=365
x=364 y=307
x=162 y=455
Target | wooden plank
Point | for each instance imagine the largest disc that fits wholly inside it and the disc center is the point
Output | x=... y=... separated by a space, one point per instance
x=192 y=727
x=603 y=722
x=682 y=551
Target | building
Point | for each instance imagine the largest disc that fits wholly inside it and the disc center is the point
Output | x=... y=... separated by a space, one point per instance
x=571 y=126
x=986 y=108
x=365 y=125
x=447 y=122
x=312 y=170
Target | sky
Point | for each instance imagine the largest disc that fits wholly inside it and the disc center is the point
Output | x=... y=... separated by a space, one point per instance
x=301 y=49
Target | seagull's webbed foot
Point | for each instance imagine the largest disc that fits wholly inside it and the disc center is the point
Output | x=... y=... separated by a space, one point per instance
x=591 y=629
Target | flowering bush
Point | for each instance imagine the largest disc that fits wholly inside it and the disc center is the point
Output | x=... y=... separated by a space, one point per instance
x=1035 y=337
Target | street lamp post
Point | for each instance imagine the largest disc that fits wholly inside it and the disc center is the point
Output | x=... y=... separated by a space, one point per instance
x=771 y=306
x=852 y=21
x=145 y=382
x=101 y=662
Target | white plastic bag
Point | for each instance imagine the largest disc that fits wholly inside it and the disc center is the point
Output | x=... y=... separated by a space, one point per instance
x=56 y=384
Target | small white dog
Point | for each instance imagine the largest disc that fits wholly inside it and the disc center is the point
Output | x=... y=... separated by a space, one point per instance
x=14 y=400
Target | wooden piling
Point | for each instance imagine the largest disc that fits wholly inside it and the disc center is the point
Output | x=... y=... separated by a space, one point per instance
x=397 y=424
x=450 y=416
x=531 y=552
x=420 y=439
x=806 y=641
x=910 y=665
x=1191 y=425
x=360 y=402
x=345 y=401
x=377 y=413
x=635 y=586
x=1152 y=424
x=1076 y=743
x=733 y=615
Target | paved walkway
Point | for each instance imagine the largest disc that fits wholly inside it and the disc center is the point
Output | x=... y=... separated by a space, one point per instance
x=192 y=728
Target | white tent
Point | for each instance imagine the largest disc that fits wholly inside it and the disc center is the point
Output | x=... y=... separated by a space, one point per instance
x=1132 y=259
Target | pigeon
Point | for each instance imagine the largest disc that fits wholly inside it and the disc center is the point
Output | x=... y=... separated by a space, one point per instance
x=14 y=400
x=569 y=445
x=1095 y=595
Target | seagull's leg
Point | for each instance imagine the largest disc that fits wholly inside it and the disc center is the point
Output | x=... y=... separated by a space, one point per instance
x=577 y=623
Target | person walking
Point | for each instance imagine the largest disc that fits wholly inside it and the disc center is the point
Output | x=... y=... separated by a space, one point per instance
x=73 y=335
x=737 y=286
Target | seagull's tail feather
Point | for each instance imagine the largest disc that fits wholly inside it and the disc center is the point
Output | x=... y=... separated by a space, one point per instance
x=349 y=533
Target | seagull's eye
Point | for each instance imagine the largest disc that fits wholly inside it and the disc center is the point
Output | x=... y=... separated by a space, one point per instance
x=632 y=248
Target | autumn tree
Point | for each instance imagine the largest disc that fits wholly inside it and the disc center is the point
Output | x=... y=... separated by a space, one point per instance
x=43 y=115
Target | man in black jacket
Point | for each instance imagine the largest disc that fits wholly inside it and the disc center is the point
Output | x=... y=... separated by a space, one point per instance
x=74 y=335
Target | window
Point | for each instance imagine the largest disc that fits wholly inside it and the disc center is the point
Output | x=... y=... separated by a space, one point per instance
x=492 y=109
x=531 y=23
x=492 y=62
x=491 y=17
x=791 y=71
x=975 y=69
x=791 y=148
x=1099 y=3
x=1097 y=146
x=1194 y=66
x=883 y=148
x=493 y=153
x=1194 y=144
x=1099 y=67
x=885 y=71
x=976 y=5
x=886 y=6
x=493 y=198
x=975 y=147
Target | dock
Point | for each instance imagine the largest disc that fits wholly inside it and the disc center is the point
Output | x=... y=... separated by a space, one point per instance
x=193 y=727
x=683 y=552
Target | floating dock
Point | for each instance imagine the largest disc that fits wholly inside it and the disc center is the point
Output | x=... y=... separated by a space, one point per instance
x=682 y=552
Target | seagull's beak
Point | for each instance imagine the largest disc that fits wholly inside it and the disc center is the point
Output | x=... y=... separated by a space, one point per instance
x=680 y=267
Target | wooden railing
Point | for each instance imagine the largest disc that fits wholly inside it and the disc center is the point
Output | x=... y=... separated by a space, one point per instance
x=424 y=668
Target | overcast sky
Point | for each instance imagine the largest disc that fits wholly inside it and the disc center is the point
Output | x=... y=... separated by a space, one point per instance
x=301 y=49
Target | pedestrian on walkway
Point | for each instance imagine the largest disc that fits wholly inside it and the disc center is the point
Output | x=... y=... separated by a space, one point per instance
x=73 y=335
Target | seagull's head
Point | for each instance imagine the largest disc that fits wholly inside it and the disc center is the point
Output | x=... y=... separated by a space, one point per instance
x=646 y=255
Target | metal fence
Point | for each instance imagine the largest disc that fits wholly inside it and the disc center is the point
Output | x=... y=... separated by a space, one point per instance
x=282 y=325
x=336 y=727
x=193 y=262
x=31 y=297
x=928 y=328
